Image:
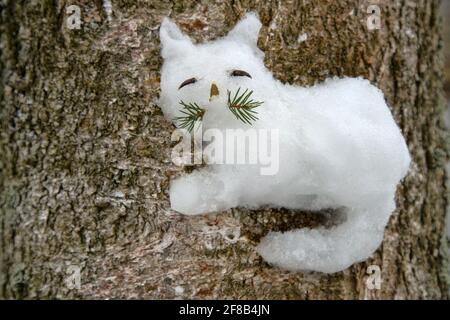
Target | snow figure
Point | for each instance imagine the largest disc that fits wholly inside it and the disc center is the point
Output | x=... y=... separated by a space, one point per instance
x=338 y=146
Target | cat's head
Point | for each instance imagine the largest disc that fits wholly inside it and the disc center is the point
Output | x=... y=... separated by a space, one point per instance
x=207 y=74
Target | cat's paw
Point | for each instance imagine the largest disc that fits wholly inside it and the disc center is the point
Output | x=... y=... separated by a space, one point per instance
x=302 y=250
x=196 y=193
x=184 y=197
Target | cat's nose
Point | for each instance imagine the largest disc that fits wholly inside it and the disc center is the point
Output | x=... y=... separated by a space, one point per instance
x=214 y=91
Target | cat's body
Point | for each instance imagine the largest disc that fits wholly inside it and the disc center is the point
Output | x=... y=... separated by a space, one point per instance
x=339 y=147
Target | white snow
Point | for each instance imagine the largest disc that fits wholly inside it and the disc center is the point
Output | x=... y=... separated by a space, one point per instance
x=339 y=147
x=302 y=37
x=179 y=290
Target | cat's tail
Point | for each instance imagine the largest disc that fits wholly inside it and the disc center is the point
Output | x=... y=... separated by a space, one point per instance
x=335 y=249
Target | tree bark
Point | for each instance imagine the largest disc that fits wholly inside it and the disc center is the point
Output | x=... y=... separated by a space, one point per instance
x=85 y=151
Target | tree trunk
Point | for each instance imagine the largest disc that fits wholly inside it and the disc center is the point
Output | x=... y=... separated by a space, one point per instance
x=85 y=151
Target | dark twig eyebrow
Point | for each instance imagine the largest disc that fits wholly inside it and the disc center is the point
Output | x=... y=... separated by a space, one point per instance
x=186 y=82
x=240 y=73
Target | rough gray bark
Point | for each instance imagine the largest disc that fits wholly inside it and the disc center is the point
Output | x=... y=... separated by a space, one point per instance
x=85 y=151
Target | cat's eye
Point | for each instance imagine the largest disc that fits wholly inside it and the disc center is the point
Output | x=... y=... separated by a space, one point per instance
x=240 y=73
x=187 y=82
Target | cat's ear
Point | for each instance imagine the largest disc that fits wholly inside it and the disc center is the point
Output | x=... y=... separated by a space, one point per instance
x=246 y=30
x=173 y=41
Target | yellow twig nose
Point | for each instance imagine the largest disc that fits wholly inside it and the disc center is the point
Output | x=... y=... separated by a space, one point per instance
x=214 y=91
